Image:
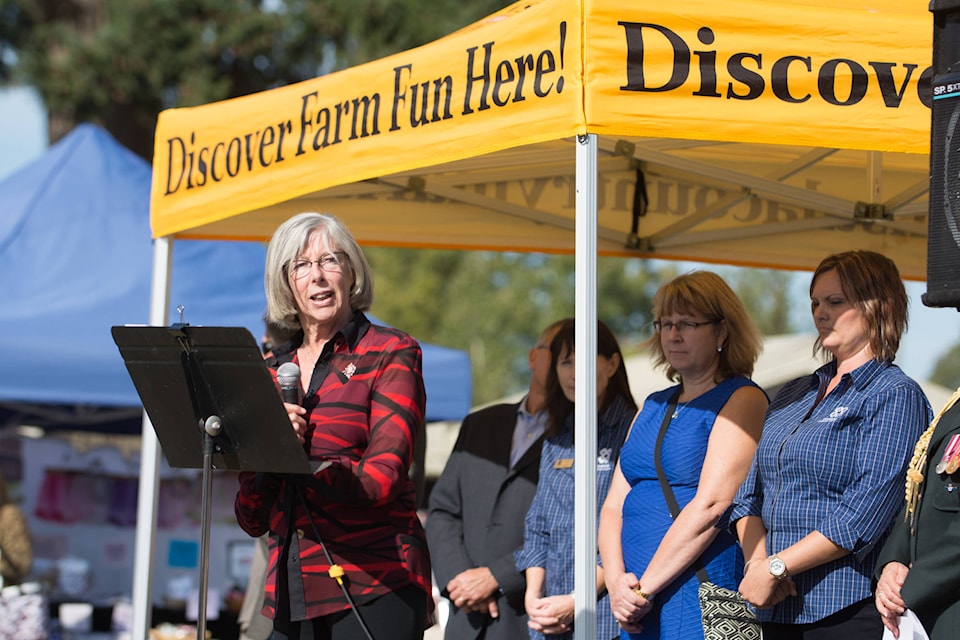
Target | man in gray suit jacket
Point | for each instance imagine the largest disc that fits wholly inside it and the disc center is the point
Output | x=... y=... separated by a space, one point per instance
x=477 y=509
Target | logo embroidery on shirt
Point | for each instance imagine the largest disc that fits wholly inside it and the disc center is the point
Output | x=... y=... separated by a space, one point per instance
x=349 y=370
x=603 y=459
x=835 y=415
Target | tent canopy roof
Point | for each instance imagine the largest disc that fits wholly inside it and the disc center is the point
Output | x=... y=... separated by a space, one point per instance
x=759 y=134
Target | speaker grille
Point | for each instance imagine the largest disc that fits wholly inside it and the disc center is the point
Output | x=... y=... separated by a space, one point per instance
x=943 y=240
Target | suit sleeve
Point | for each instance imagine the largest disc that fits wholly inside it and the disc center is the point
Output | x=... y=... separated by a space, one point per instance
x=897 y=546
x=512 y=583
x=934 y=580
x=444 y=525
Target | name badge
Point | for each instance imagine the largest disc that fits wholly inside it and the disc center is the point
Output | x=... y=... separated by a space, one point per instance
x=563 y=463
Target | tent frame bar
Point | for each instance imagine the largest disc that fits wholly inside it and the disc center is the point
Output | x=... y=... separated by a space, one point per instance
x=149 y=485
x=585 y=405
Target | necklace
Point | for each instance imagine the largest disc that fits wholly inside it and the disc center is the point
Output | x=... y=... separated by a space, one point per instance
x=676 y=412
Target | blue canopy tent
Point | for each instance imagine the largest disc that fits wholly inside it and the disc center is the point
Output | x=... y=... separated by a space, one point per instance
x=76 y=259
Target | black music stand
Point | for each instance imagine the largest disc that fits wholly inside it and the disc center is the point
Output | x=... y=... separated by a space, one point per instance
x=213 y=405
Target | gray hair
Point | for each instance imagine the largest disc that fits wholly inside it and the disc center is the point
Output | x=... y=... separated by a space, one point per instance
x=286 y=245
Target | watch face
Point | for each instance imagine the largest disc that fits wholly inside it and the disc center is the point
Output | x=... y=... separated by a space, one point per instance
x=777 y=567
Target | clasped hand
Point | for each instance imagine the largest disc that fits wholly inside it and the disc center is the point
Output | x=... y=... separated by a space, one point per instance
x=627 y=606
x=473 y=591
x=763 y=590
x=549 y=615
x=890 y=603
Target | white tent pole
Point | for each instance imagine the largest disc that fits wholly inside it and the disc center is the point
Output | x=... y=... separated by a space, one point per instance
x=585 y=407
x=147 y=499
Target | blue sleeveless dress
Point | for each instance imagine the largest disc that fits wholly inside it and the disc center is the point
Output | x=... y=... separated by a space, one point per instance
x=646 y=517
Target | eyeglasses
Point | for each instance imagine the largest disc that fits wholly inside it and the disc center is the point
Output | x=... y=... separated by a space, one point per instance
x=328 y=263
x=684 y=326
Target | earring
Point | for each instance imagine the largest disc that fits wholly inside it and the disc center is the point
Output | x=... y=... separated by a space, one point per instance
x=719 y=348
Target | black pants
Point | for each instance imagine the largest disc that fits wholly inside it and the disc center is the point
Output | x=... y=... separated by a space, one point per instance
x=400 y=615
x=859 y=621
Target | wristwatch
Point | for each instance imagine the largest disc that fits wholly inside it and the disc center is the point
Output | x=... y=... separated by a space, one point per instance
x=778 y=568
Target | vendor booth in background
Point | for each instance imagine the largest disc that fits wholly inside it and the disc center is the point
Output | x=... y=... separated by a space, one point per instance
x=75 y=259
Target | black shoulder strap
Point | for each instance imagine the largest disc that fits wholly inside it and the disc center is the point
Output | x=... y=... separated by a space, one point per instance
x=665 y=486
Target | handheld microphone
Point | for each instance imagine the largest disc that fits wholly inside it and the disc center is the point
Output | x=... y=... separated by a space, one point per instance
x=288 y=375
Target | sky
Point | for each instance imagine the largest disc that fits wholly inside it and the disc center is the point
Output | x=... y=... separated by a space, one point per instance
x=23 y=138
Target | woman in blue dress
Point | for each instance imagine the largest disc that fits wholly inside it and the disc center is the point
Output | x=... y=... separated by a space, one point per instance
x=708 y=345
x=546 y=557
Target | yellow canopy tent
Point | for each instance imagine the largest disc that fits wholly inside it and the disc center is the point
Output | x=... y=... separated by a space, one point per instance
x=765 y=134
x=743 y=132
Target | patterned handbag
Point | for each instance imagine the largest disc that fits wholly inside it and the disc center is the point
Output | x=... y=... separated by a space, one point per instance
x=725 y=614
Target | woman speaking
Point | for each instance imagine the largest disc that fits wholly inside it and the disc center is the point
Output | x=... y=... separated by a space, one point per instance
x=348 y=556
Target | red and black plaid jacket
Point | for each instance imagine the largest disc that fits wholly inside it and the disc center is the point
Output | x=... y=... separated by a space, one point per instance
x=365 y=403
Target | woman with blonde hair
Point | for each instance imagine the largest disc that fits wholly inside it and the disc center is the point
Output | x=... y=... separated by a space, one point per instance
x=698 y=436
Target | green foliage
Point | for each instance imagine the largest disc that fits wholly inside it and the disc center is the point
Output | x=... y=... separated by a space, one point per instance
x=766 y=295
x=119 y=63
x=494 y=305
x=946 y=371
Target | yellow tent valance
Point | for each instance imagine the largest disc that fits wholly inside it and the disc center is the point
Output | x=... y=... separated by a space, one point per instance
x=510 y=80
x=850 y=77
x=762 y=133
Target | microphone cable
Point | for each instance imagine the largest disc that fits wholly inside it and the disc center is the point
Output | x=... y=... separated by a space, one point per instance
x=335 y=571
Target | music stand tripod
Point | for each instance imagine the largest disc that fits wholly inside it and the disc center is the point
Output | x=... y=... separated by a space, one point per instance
x=213 y=405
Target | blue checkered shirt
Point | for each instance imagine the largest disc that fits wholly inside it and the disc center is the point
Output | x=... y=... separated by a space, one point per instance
x=548 y=535
x=840 y=471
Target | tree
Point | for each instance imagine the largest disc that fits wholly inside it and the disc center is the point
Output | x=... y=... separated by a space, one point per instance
x=766 y=295
x=947 y=369
x=493 y=305
x=118 y=63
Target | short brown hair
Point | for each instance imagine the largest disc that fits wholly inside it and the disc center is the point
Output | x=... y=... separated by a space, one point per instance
x=871 y=281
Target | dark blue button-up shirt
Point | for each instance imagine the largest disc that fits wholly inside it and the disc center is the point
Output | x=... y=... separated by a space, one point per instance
x=549 y=532
x=837 y=468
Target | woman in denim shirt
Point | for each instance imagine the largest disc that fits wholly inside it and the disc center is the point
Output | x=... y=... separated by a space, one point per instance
x=828 y=475
x=548 y=536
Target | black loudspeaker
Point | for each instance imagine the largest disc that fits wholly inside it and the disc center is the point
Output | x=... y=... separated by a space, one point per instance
x=943 y=240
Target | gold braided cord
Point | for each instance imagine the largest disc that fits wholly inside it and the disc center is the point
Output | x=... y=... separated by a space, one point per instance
x=919 y=460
